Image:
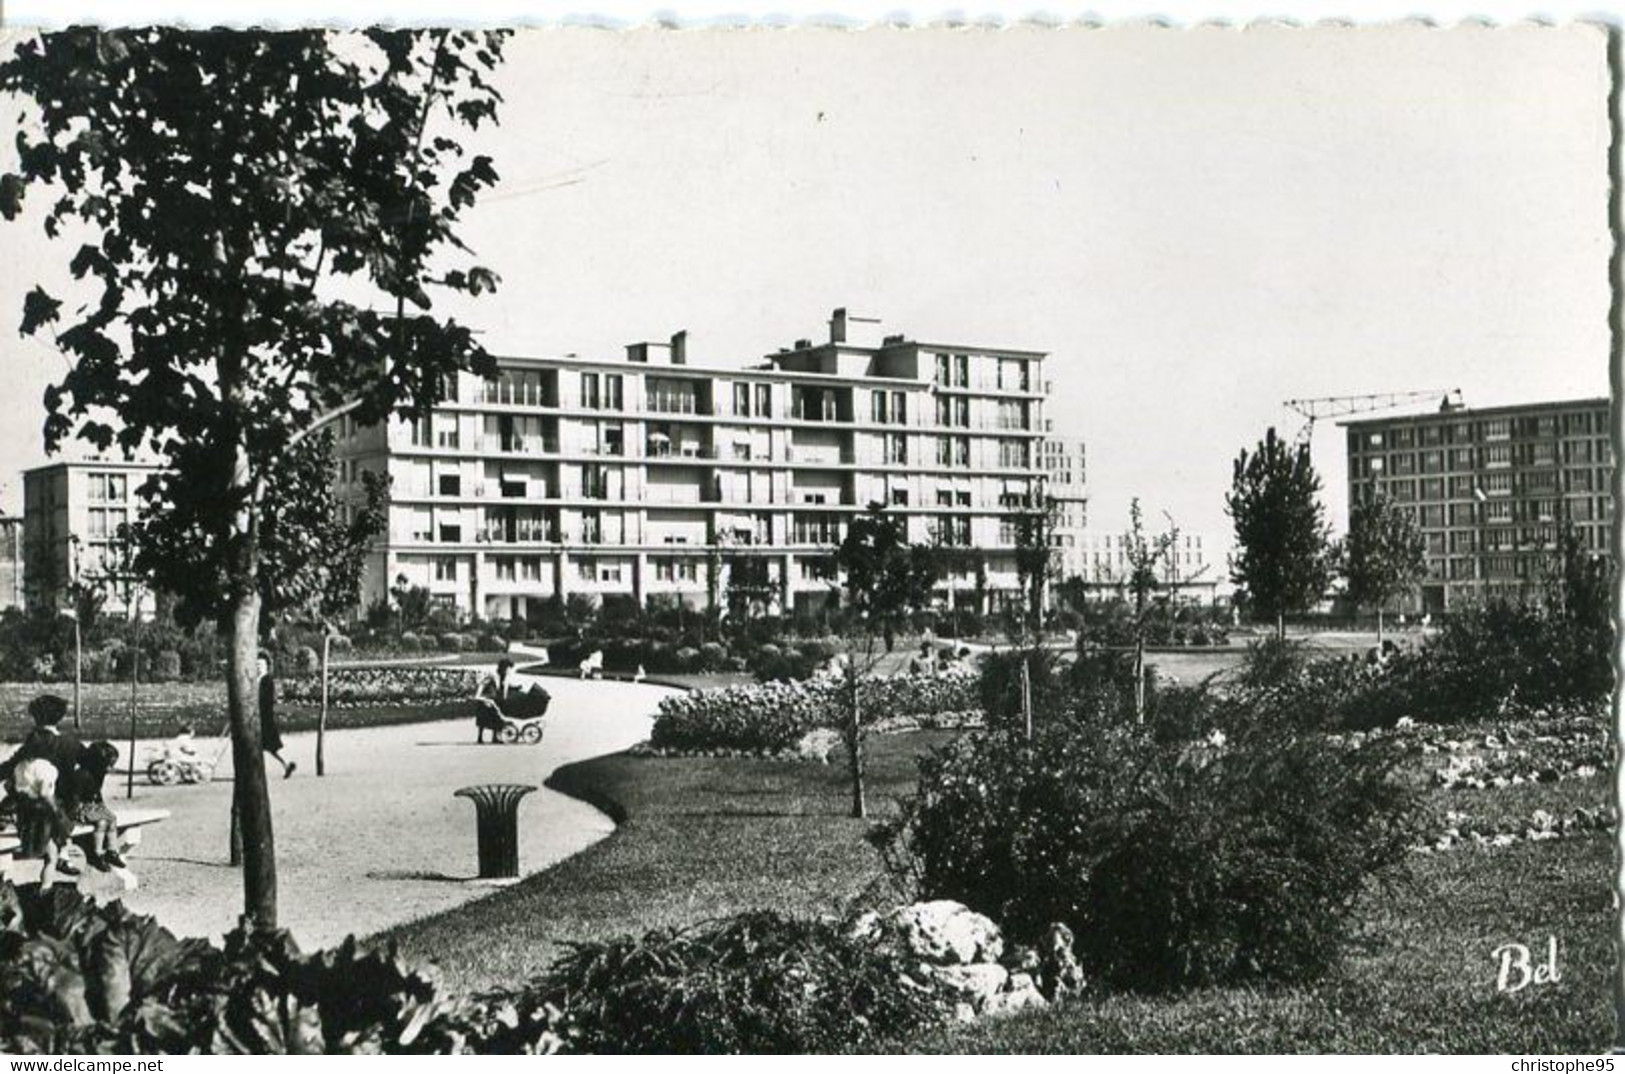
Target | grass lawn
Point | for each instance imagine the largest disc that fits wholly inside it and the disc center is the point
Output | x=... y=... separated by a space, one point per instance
x=705 y=837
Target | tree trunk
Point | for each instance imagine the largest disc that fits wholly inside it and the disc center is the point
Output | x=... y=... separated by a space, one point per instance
x=1280 y=626
x=79 y=670
x=1027 y=696
x=854 y=746
x=321 y=715
x=1139 y=677
x=1379 y=627
x=248 y=763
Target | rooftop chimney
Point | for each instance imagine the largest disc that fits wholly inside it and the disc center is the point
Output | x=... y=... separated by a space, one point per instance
x=679 y=347
x=892 y=341
x=637 y=352
x=803 y=344
x=837 y=326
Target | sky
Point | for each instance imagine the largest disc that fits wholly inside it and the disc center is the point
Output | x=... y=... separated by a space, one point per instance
x=1196 y=224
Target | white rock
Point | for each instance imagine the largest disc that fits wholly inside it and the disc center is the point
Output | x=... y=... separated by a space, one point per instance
x=819 y=745
x=975 y=984
x=946 y=933
x=1020 y=994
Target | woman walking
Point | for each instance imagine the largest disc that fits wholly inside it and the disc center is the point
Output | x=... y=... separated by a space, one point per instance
x=270 y=730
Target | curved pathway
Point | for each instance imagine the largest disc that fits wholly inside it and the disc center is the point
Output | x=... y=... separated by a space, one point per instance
x=380 y=840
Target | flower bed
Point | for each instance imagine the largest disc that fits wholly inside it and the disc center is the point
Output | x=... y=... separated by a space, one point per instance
x=772 y=717
x=1544 y=748
x=1462 y=830
x=358 y=687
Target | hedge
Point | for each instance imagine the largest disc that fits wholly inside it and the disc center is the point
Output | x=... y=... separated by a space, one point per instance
x=356 y=687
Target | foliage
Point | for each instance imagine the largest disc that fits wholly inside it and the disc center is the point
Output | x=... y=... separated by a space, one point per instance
x=760 y=983
x=1283 y=561
x=1384 y=556
x=215 y=238
x=82 y=978
x=885 y=577
x=773 y=716
x=1175 y=863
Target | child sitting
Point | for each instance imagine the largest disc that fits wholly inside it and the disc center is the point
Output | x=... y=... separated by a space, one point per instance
x=82 y=798
x=41 y=829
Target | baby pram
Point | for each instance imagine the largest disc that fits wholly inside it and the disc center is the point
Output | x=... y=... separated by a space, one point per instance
x=172 y=764
x=515 y=718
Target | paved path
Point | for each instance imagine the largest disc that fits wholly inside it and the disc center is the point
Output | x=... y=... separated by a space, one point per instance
x=380 y=840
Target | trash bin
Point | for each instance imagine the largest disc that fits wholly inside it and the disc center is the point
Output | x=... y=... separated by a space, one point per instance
x=496 y=824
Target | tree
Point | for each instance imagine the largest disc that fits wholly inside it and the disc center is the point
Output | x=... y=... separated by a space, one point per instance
x=884 y=578
x=1283 y=560
x=228 y=180
x=1035 y=521
x=749 y=585
x=1146 y=557
x=1384 y=556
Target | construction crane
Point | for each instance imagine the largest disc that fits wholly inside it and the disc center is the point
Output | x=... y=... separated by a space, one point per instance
x=1336 y=406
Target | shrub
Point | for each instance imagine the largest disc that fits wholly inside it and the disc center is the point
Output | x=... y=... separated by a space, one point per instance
x=713 y=656
x=687 y=658
x=757 y=983
x=340 y=644
x=306 y=661
x=168 y=666
x=85 y=979
x=491 y=643
x=410 y=642
x=1175 y=864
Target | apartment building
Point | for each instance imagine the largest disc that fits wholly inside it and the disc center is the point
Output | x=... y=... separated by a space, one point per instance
x=654 y=479
x=72 y=515
x=1192 y=569
x=11 y=561
x=1063 y=459
x=1491 y=489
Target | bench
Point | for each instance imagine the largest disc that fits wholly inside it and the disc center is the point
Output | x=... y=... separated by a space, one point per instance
x=27 y=870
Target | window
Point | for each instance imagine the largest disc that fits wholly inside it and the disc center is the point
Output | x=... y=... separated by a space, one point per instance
x=961 y=370
x=451 y=484
x=742 y=400
x=451 y=532
x=505 y=569
x=896 y=448
x=899 y=497
x=445 y=432
x=688 y=571
x=612 y=391
x=962 y=413
x=445 y=569
x=877 y=408
x=609 y=572
x=944 y=369
x=589 y=391
x=764 y=400
x=587 y=570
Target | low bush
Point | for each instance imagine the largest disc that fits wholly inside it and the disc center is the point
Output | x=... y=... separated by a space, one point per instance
x=167 y=668
x=1175 y=863
x=759 y=983
x=770 y=717
x=77 y=978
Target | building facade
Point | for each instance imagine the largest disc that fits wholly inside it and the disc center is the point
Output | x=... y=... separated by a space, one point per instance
x=73 y=512
x=652 y=479
x=1064 y=461
x=1491 y=489
x=1190 y=571
x=11 y=562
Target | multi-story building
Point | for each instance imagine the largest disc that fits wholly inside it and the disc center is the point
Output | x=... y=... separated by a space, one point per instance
x=1063 y=460
x=1491 y=489
x=650 y=478
x=11 y=561
x=1186 y=572
x=73 y=512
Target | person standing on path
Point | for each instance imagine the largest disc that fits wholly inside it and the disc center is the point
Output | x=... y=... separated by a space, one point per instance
x=270 y=730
